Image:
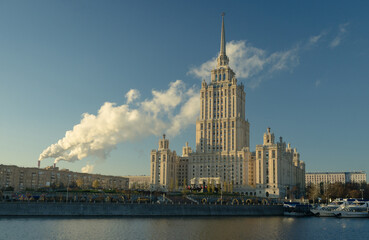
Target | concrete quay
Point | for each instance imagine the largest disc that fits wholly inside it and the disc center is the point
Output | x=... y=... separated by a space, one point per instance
x=112 y=209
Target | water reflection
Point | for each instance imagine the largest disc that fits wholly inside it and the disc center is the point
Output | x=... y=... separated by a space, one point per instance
x=184 y=228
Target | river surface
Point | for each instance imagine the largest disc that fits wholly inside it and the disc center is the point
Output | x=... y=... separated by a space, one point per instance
x=183 y=228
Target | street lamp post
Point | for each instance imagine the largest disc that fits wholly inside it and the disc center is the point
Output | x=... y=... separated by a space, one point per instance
x=150 y=195
x=286 y=193
x=66 y=200
x=362 y=193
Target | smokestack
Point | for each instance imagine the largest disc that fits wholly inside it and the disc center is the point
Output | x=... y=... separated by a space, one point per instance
x=54 y=165
x=39 y=163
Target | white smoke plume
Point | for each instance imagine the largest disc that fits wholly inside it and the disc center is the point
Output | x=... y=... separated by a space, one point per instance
x=88 y=168
x=167 y=111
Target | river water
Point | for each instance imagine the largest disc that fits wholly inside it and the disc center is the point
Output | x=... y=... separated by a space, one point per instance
x=184 y=228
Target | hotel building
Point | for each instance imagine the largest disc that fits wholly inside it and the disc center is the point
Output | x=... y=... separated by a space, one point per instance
x=222 y=155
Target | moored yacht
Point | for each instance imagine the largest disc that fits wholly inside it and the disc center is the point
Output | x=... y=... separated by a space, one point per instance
x=328 y=210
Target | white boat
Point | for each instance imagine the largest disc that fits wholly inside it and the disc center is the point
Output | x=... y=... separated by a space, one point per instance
x=356 y=209
x=351 y=214
x=324 y=211
x=358 y=206
x=329 y=210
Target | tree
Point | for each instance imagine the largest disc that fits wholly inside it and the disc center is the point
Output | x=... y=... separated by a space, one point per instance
x=312 y=192
x=95 y=184
x=60 y=185
x=337 y=190
x=354 y=193
x=79 y=182
x=294 y=191
x=208 y=185
x=72 y=184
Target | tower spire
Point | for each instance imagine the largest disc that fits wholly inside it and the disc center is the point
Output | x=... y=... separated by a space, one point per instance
x=222 y=58
x=222 y=38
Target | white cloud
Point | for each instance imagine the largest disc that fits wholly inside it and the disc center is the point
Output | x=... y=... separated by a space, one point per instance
x=97 y=135
x=88 y=168
x=251 y=63
x=165 y=100
x=188 y=113
x=315 y=39
x=132 y=95
x=341 y=34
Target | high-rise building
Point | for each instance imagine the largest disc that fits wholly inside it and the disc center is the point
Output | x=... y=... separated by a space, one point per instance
x=222 y=132
x=222 y=156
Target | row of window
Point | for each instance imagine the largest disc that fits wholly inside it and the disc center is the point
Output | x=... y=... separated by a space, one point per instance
x=218 y=93
x=267 y=154
x=215 y=125
x=220 y=77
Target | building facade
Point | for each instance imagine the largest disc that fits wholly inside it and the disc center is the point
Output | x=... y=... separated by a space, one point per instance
x=334 y=177
x=222 y=155
x=22 y=178
x=222 y=131
x=278 y=169
x=164 y=164
x=139 y=182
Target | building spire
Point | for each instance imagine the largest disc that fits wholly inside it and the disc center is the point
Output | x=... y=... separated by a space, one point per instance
x=222 y=38
x=222 y=58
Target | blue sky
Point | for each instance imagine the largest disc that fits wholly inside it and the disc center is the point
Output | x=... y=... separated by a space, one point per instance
x=304 y=65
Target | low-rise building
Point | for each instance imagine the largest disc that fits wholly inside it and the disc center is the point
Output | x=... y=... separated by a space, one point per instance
x=139 y=182
x=334 y=177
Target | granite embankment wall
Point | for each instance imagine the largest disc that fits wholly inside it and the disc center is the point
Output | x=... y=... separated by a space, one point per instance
x=101 y=209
